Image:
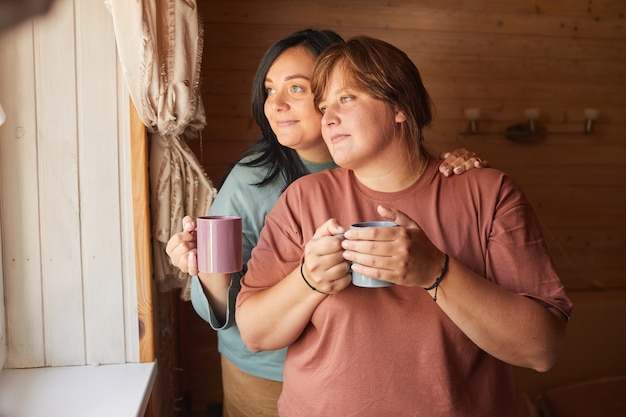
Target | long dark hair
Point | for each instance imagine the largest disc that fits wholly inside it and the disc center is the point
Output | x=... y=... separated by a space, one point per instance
x=267 y=151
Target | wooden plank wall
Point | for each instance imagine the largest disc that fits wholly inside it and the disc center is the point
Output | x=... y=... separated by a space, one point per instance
x=66 y=204
x=500 y=55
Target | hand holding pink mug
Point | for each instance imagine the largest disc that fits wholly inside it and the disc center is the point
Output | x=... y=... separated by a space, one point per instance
x=219 y=242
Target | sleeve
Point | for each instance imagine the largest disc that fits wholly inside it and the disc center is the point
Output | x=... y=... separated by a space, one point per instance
x=517 y=254
x=280 y=246
x=203 y=308
x=238 y=197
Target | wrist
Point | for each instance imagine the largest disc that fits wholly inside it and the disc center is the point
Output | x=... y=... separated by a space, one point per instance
x=307 y=282
x=442 y=274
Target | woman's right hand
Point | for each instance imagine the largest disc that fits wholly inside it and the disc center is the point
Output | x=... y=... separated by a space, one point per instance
x=324 y=266
x=459 y=161
x=181 y=248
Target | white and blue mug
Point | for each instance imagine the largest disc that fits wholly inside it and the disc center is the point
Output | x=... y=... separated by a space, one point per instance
x=361 y=280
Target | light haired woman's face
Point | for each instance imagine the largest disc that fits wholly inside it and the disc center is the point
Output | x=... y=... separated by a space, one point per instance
x=289 y=105
x=358 y=129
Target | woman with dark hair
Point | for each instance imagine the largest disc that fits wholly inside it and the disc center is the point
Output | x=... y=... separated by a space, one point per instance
x=472 y=289
x=289 y=146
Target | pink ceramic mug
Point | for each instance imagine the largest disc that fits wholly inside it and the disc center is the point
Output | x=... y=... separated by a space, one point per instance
x=219 y=244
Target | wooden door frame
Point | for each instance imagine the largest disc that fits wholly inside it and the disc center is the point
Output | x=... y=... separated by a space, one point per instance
x=141 y=221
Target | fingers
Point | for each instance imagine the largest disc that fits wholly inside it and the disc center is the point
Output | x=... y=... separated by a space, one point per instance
x=181 y=248
x=327 y=273
x=396 y=216
x=184 y=257
x=173 y=243
x=375 y=248
x=481 y=163
x=379 y=247
x=459 y=161
x=471 y=163
x=393 y=254
x=192 y=262
x=330 y=228
x=325 y=267
x=189 y=224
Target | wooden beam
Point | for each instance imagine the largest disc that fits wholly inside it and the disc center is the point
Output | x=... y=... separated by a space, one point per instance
x=141 y=220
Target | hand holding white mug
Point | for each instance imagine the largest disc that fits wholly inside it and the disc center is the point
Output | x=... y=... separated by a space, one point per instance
x=402 y=255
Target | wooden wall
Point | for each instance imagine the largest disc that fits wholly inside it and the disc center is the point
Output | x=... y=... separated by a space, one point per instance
x=500 y=55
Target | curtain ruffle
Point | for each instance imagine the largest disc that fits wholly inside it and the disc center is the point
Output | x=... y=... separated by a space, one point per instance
x=160 y=45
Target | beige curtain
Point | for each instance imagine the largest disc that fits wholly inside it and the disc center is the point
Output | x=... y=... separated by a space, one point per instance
x=160 y=48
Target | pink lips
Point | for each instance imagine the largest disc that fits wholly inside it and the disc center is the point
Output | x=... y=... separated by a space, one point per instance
x=337 y=137
x=285 y=123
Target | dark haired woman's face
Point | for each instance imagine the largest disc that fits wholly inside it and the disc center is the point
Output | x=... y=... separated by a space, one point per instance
x=289 y=105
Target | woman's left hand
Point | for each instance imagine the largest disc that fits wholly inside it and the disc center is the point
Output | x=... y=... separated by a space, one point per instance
x=403 y=255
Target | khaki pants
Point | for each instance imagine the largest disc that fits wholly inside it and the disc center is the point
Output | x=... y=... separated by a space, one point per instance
x=246 y=395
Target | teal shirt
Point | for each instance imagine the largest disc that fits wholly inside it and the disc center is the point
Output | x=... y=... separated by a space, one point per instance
x=238 y=196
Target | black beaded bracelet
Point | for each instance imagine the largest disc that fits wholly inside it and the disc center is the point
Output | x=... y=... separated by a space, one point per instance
x=435 y=286
x=307 y=282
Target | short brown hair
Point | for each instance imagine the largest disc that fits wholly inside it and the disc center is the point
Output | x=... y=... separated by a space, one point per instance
x=385 y=73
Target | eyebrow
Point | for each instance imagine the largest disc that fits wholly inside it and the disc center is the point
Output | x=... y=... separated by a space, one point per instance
x=291 y=77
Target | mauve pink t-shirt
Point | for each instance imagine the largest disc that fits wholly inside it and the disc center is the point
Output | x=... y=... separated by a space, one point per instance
x=391 y=351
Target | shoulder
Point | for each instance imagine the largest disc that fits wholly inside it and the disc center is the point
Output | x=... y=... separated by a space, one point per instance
x=240 y=191
x=247 y=176
x=493 y=179
x=311 y=189
x=482 y=178
x=241 y=172
x=484 y=185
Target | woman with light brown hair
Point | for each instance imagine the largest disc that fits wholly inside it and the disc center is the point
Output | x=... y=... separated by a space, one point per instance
x=473 y=289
